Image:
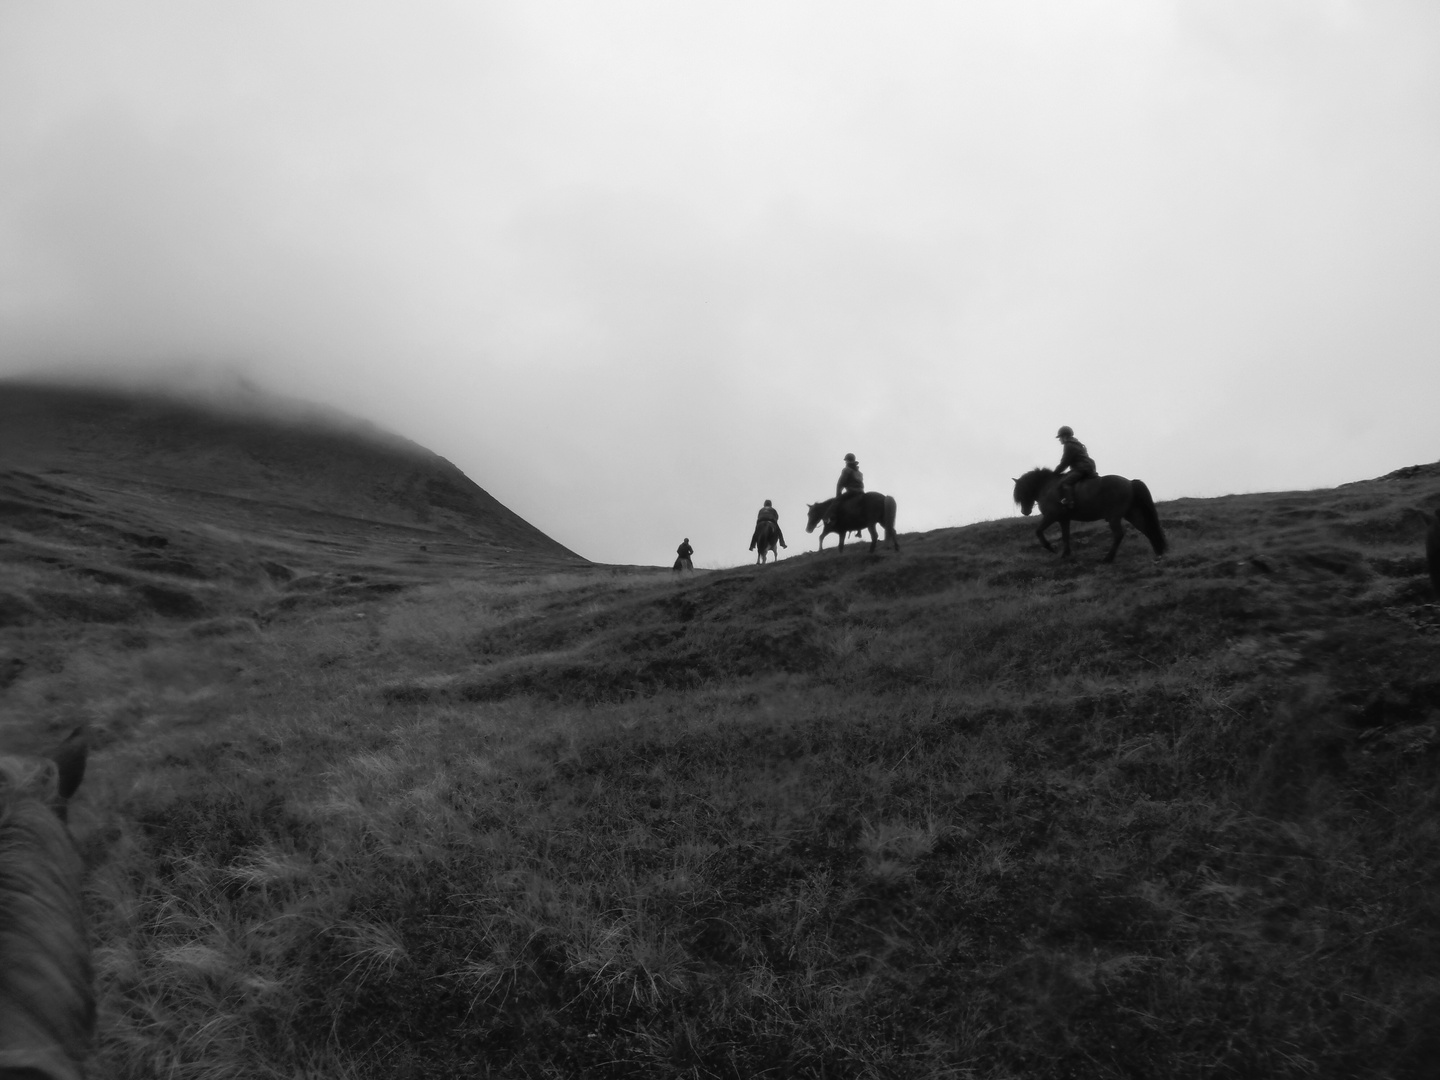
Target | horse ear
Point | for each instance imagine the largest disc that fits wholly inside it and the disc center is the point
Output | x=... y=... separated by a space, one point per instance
x=1014 y=479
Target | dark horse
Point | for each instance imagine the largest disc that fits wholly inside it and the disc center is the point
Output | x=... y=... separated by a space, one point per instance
x=866 y=512
x=1112 y=498
x=767 y=538
x=47 y=1004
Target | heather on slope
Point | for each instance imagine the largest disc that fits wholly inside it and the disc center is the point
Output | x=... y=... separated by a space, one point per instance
x=961 y=811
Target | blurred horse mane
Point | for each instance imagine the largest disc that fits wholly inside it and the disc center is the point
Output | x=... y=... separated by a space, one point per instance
x=47 y=1004
x=1029 y=486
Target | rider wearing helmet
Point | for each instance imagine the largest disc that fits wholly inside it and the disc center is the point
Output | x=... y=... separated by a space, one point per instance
x=770 y=514
x=849 y=487
x=1075 y=465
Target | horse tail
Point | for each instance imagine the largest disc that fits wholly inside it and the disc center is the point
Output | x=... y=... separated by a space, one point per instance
x=1149 y=522
x=889 y=521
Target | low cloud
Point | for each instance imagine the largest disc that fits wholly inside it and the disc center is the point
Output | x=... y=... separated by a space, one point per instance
x=636 y=270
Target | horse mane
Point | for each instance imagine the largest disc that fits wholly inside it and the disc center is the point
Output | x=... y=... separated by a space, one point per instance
x=1032 y=483
x=47 y=1004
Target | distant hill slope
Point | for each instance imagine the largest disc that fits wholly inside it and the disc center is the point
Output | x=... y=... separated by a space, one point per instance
x=115 y=503
x=316 y=462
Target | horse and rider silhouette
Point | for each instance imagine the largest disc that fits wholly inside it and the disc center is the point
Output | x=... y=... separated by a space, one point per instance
x=855 y=515
x=766 y=541
x=853 y=509
x=767 y=534
x=1076 y=492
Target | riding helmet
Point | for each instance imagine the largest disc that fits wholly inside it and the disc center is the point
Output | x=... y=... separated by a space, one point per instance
x=1065 y=432
x=850 y=458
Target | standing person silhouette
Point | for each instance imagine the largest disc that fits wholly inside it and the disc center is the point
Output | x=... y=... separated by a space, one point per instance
x=684 y=551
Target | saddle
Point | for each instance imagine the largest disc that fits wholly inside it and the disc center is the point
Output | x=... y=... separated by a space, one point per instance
x=1076 y=487
x=849 y=499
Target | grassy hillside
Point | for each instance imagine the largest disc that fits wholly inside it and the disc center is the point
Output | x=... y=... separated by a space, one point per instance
x=960 y=811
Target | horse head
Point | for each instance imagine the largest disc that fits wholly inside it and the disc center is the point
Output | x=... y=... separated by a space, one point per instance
x=1027 y=488
x=815 y=511
x=1026 y=504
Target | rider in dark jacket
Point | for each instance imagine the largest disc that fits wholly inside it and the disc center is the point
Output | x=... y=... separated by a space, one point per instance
x=1075 y=465
x=770 y=514
x=849 y=487
x=684 y=551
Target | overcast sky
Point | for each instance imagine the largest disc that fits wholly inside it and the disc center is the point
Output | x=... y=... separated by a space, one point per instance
x=635 y=267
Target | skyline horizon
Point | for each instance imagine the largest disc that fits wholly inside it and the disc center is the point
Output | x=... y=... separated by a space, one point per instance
x=228 y=392
x=668 y=262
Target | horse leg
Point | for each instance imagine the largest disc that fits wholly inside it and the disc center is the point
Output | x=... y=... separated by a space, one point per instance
x=873 y=539
x=1045 y=523
x=1065 y=537
x=1117 y=530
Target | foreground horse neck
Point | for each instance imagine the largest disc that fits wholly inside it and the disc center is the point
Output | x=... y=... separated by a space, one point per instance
x=47 y=1005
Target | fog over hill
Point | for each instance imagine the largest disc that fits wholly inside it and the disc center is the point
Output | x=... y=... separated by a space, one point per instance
x=686 y=257
x=262 y=469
